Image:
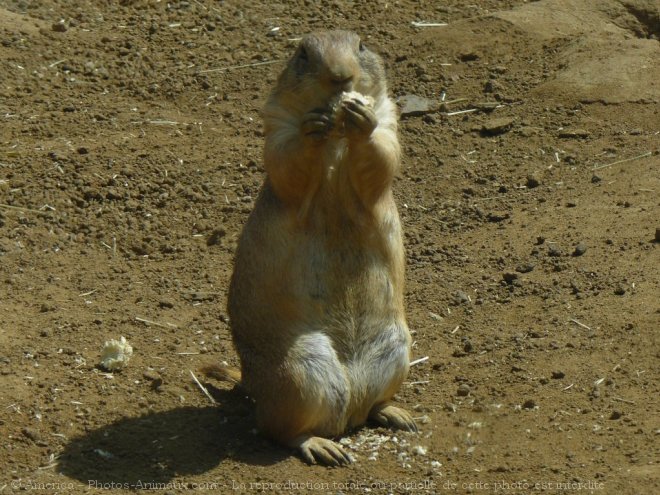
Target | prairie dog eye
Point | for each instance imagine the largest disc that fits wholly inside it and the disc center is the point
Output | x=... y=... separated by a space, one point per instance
x=302 y=54
x=361 y=47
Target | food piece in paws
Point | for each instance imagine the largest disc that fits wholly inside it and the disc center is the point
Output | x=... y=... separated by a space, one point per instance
x=337 y=109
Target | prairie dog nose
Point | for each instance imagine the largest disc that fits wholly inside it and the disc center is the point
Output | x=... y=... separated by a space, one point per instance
x=341 y=77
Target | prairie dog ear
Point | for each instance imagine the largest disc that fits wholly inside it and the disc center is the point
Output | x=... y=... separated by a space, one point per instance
x=300 y=60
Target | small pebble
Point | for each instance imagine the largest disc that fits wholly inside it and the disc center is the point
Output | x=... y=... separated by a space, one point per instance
x=47 y=307
x=216 y=237
x=529 y=404
x=461 y=297
x=616 y=414
x=557 y=375
x=525 y=268
x=509 y=277
x=497 y=126
x=492 y=86
x=166 y=304
x=469 y=56
x=463 y=390
x=155 y=379
x=419 y=450
x=151 y=375
x=580 y=249
x=59 y=27
x=574 y=134
x=533 y=180
x=32 y=434
x=554 y=251
x=414 y=105
x=620 y=290
x=497 y=216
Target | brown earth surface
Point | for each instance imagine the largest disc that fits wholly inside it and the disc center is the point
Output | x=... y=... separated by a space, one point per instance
x=130 y=156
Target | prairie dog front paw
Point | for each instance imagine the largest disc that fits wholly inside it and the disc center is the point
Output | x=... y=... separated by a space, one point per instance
x=353 y=111
x=317 y=124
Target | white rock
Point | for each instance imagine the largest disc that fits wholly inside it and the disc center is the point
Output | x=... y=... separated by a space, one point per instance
x=419 y=450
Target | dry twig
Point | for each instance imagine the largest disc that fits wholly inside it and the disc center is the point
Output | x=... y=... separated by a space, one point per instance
x=418 y=361
x=150 y=322
x=469 y=110
x=202 y=387
x=573 y=320
x=643 y=155
x=21 y=208
x=242 y=66
x=428 y=24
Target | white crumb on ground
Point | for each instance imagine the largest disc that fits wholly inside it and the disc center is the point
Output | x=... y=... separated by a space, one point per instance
x=116 y=354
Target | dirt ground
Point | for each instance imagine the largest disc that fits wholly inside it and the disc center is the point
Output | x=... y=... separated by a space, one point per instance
x=130 y=156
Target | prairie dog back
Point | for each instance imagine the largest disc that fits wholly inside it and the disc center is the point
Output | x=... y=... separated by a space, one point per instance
x=316 y=297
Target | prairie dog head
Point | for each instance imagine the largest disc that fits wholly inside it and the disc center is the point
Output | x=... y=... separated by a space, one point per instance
x=325 y=65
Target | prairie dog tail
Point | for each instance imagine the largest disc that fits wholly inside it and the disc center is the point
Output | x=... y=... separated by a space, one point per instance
x=222 y=372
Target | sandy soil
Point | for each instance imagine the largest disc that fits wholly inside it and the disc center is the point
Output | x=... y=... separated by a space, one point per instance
x=130 y=156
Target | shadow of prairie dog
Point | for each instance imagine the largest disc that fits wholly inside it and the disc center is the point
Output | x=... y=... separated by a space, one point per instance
x=316 y=297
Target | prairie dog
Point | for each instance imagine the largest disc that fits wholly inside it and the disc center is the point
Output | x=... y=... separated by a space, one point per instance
x=316 y=297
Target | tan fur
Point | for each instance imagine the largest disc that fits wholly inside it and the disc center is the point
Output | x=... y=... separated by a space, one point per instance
x=316 y=297
x=222 y=373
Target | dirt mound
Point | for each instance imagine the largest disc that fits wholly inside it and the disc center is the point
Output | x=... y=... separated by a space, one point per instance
x=606 y=52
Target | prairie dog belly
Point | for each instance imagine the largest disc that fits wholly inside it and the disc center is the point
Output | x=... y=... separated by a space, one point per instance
x=369 y=374
x=359 y=312
x=377 y=369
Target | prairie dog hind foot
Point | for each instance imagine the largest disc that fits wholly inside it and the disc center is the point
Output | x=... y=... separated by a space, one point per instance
x=393 y=417
x=321 y=450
